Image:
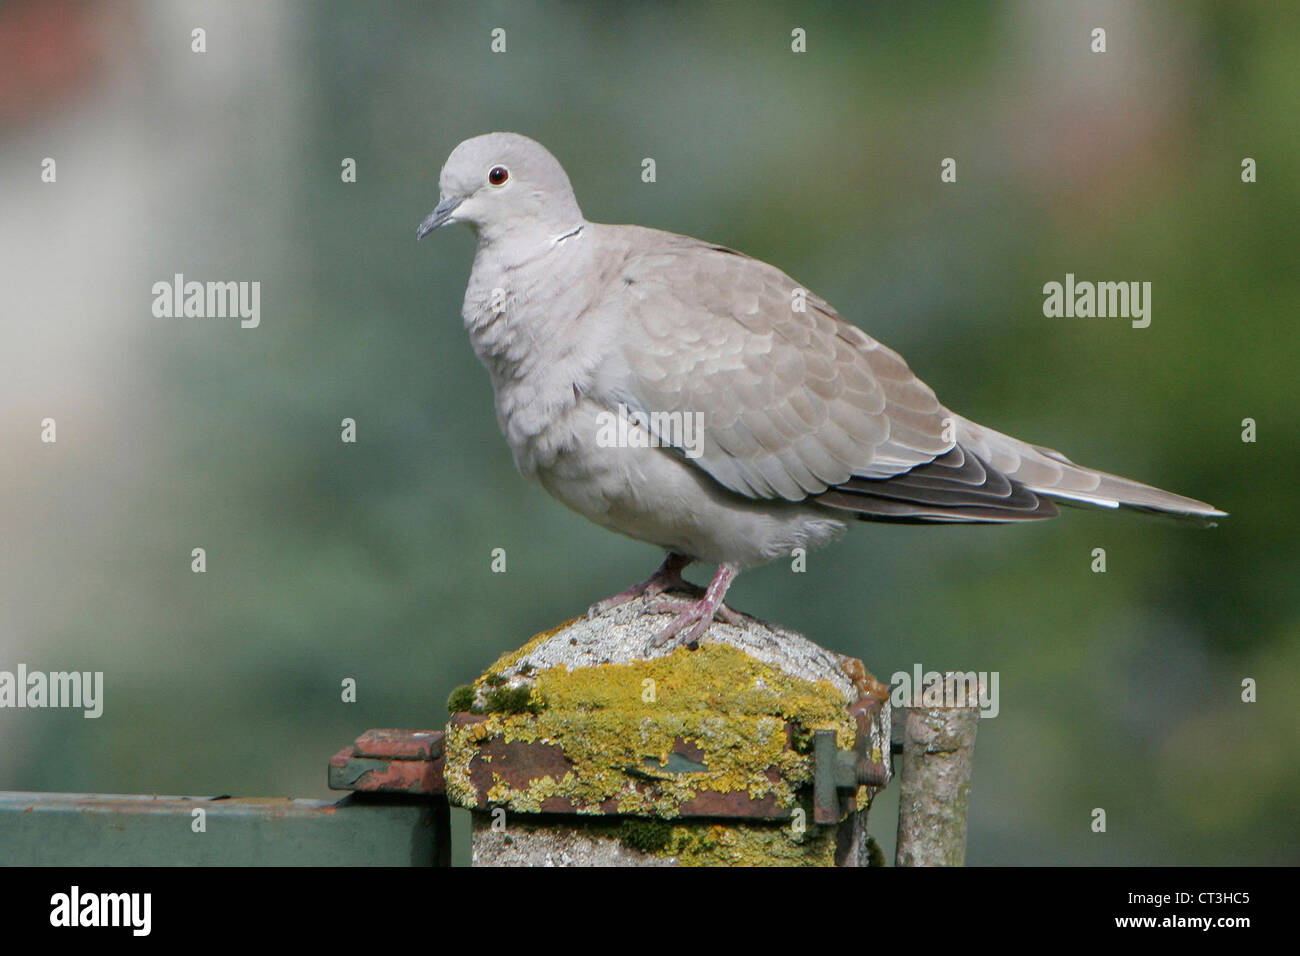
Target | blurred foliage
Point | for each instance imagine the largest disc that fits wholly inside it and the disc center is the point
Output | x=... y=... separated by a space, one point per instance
x=371 y=561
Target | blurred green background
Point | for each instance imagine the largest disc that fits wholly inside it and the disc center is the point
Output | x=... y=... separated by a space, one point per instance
x=371 y=561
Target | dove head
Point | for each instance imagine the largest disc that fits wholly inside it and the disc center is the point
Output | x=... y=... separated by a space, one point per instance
x=505 y=186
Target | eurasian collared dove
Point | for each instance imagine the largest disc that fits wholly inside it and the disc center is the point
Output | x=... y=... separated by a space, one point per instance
x=803 y=420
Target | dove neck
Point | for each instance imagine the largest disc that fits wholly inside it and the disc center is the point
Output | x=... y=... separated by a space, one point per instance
x=517 y=243
x=519 y=317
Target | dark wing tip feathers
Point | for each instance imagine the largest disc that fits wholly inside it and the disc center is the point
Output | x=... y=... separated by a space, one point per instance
x=956 y=487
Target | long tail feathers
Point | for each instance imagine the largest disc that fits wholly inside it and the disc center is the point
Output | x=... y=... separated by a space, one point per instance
x=1048 y=472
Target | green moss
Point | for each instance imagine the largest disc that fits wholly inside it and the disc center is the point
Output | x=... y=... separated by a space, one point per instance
x=511 y=700
x=462 y=698
x=647 y=836
x=875 y=855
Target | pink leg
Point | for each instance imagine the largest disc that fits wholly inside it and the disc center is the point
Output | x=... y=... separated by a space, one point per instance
x=694 y=617
x=667 y=578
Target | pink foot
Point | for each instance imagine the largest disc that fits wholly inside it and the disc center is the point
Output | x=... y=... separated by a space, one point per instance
x=667 y=578
x=694 y=617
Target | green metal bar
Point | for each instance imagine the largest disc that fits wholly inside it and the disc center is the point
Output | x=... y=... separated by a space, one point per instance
x=72 y=829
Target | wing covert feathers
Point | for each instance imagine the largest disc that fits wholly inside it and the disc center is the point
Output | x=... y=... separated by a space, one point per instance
x=799 y=404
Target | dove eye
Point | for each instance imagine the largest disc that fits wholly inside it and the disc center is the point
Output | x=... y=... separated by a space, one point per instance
x=498 y=175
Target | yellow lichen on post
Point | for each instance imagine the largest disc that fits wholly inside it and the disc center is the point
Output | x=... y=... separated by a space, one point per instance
x=726 y=708
x=751 y=845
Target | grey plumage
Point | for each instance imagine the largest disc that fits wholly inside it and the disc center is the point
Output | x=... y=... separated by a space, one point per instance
x=807 y=420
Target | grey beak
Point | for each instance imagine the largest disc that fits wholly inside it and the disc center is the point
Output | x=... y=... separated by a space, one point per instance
x=441 y=213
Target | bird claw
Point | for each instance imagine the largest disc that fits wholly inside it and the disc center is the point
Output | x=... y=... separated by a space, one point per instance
x=727 y=616
x=644 y=589
x=609 y=603
x=667 y=578
x=693 y=617
x=698 y=621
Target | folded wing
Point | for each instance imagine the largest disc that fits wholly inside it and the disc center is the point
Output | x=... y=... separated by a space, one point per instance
x=796 y=403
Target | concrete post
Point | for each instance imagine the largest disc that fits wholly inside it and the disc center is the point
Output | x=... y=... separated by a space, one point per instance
x=587 y=746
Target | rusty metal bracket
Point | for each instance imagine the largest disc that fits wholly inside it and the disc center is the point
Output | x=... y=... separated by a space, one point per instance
x=408 y=762
x=837 y=773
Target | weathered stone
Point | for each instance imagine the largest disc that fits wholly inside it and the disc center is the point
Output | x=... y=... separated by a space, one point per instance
x=589 y=721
